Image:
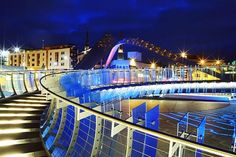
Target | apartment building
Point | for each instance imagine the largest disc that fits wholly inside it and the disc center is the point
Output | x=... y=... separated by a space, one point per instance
x=52 y=57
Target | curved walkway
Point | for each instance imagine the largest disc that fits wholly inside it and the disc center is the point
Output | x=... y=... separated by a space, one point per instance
x=76 y=126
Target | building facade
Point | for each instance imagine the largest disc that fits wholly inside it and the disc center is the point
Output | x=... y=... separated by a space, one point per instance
x=54 y=57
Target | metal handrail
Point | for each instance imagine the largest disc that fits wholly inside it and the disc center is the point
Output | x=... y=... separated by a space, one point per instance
x=171 y=138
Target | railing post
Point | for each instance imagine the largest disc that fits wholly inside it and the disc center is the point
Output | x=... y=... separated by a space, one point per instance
x=170 y=149
x=129 y=142
x=74 y=134
x=97 y=138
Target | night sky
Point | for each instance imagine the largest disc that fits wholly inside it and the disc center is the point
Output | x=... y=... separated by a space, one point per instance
x=200 y=26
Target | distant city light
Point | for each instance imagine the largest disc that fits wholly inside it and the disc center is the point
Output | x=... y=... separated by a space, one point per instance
x=153 y=65
x=218 y=62
x=16 y=49
x=183 y=54
x=132 y=62
x=4 y=52
x=202 y=61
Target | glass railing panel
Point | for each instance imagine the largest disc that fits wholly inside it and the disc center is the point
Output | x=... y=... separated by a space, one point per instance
x=18 y=82
x=30 y=81
x=50 y=137
x=190 y=152
x=39 y=75
x=112 y=146
x=85 y=140
x=134 y=76
x=6 y=84
x=66 y=135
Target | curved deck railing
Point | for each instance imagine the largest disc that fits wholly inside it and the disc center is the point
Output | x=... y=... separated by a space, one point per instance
x=13 y=83
x=75 y=125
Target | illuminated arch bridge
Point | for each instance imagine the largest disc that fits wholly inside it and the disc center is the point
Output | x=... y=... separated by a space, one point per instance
x=86 y=115
x=108 y=46
x=144 y=44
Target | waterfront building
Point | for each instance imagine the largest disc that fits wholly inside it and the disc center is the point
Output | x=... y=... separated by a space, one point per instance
x=51 y=57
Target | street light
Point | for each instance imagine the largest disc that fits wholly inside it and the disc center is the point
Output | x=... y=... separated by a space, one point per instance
x=16 y=49
x=202 y=61
x=218 y=62
x=153 y=65
x=183 y=54
x=4 y=53
x=132 y=62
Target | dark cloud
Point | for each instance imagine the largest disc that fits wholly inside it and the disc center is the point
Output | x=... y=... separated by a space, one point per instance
x=202 y=26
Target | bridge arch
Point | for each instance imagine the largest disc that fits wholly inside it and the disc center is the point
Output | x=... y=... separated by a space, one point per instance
x=143 y=44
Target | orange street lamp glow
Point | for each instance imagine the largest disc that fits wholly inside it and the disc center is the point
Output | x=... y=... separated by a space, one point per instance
x=202 y=61
x=132 y=62
x=153 y=65
x=183 y=54
x=218 y=62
